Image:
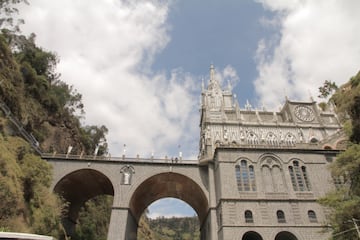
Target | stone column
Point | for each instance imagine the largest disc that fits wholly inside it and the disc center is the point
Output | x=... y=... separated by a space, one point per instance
x=122 y=225
x=212 y=204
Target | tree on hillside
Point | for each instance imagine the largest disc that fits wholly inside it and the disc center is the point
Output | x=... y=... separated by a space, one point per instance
x=50 y=110
x=7 y=12
x=27 y=204
x=355 y=116
x=93 y=221
x=327 y=89
x=344 y=202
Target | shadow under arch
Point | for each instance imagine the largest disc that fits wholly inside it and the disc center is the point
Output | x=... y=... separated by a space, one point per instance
x=251 y=235
x=285 y=236
x=79 y=186
x=169 y=184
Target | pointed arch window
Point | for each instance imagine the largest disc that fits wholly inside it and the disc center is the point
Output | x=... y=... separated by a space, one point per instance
x=306 y=179
x=252 y=178
x=299 y=177
x=312 y=216
x=272 y=175
x=248 y=216
x=245 y=176
x=339 y=182
x=280 y=216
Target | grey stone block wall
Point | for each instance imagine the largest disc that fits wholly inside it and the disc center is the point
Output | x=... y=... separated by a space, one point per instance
x=300 y=138
x=233 y=203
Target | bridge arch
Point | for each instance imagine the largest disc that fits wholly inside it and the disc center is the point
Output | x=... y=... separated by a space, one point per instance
x=285 y=235
x=169 y=184
x=251 y=235
x=79 y=186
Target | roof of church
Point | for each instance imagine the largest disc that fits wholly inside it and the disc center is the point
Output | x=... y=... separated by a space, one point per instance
x=298 y=124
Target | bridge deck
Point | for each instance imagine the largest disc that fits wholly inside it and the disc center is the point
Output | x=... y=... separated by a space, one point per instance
x=49 y=156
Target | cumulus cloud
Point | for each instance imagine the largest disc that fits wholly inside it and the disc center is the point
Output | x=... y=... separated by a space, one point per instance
x=227 y=77
x=318 y=41
x=106 y=49
x=230 y=75
x=170 y=207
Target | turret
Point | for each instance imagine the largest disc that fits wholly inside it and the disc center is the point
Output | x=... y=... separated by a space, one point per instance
x=215 y=103
x=224 y=125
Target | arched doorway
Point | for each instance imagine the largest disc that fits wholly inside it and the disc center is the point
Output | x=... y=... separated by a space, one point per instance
x=251 y=235
x=285 y=236
x=78 y=187
x=172 y=185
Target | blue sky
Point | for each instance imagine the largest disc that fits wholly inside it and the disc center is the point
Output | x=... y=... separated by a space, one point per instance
x=139 y=64
x=170 y=207
x=223 y=33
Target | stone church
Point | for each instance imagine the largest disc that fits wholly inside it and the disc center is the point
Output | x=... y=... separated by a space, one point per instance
x=258 y=177
x=270 y=167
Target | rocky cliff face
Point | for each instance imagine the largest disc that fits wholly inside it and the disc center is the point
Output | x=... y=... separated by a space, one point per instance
x=35 y=96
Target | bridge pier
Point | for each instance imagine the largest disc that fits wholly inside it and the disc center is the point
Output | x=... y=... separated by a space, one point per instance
x=123 y=226
x=213 y=224
x=209 y=228
x=69 y=226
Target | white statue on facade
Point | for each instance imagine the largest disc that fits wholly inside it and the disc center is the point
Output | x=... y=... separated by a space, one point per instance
x=301 y=135
x=127 y=172
x=126 y=176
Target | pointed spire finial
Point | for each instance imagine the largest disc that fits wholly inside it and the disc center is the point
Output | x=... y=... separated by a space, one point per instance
x=229 y=85
x=212 y=73
x=248 y=105
x=286 y=95
x=213 y=83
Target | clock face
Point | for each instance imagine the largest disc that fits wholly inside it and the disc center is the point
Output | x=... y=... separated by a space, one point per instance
x=304 y=113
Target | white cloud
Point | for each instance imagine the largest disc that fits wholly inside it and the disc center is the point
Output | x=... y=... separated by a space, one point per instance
x=227 y=77
x=230 y=75
x=318 y=41
x=106 y=49
x=170 y=207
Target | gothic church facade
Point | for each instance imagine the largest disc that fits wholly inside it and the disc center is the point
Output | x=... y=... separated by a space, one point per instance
x=269 y=167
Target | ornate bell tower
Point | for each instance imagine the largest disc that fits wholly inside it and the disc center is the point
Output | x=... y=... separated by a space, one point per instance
x=215 y=102
x=266 y=168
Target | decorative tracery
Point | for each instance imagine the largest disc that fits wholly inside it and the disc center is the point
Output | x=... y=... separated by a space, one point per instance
x=299 y=177
x=245 y=176
x=272 y=175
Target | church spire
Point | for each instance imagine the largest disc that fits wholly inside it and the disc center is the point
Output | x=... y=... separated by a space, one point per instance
x=212 y=74
x=213 y=83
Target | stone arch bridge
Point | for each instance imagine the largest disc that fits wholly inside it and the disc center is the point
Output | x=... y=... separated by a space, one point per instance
x=135 y=183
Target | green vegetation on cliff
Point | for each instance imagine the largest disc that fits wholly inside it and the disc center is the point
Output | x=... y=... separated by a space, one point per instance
x=93 y=221
x=27 y=205
x=185 y=228
x=344 y=202
x=44 y=104
x=49 y=110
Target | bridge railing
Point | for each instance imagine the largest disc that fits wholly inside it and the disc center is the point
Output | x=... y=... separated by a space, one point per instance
x=28 y=137
x=175 y=160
